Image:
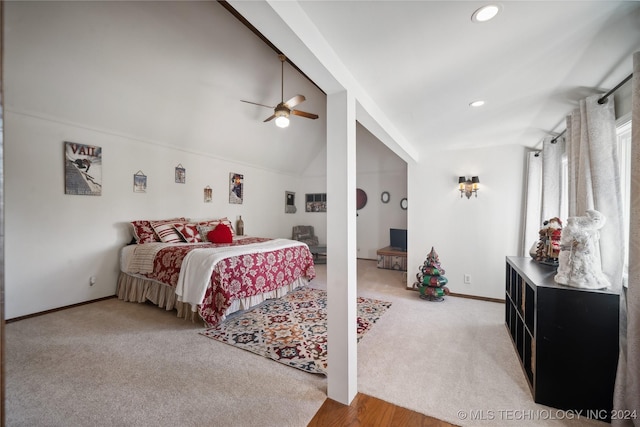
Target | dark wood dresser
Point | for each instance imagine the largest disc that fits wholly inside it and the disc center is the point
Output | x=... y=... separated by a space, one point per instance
x=566 y=338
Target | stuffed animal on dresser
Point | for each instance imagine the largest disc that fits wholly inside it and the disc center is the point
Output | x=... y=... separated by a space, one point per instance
x=579 y=260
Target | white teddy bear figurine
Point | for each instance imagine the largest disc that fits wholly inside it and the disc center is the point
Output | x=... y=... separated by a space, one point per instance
x=579 y=259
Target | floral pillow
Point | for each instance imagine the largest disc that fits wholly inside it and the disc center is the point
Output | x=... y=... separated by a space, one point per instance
x=143 y=232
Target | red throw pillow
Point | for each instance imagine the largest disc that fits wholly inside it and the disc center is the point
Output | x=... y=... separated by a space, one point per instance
x=220 y=234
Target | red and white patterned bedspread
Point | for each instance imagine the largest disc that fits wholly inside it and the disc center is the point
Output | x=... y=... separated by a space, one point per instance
x=259 y=266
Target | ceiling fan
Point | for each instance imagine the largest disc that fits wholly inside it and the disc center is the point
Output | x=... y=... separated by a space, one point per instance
x=283 y=110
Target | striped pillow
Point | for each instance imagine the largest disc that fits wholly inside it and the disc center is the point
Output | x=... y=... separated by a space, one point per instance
x=166 y=231
x=143 y=231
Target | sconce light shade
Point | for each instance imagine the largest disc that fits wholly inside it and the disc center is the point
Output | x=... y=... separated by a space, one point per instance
x=468 y=186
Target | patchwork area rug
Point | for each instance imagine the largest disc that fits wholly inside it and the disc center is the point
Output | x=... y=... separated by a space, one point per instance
x=293 y=329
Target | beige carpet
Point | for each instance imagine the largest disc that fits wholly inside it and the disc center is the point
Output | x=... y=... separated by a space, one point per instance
x=113 y=363
x=452 y=360
x=116 y=363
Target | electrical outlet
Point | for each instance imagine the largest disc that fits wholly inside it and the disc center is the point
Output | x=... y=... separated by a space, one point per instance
x=467 y=279
x=92 y=280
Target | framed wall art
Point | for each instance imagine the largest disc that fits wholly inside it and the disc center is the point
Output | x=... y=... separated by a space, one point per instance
x=290 y=202
x=139 y=182
x=236 y=188
x=316 y=202
x=181 y=174
x=82 y=169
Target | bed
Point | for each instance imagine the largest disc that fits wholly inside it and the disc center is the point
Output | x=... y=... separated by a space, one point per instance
x=206 y=279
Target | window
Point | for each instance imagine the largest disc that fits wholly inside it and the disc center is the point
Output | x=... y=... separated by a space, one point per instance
x=623 y=132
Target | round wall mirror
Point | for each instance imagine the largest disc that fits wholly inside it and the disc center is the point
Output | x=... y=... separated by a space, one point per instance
x=361 y=198
x=385 y=197
x=403 y=204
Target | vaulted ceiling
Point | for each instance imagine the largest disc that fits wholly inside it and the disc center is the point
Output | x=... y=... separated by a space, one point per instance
x=174 y=73
x=169 y=73
x=423 y=62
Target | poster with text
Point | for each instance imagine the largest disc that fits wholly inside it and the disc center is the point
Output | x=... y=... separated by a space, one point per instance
x=83 y=169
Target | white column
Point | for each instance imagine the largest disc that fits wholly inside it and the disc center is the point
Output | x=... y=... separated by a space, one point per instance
x=341 y=248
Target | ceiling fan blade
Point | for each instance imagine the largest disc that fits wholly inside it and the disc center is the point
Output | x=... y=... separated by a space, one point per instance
x=304 y=114
x=270 y=118
x=255 y=103
x=295 y=101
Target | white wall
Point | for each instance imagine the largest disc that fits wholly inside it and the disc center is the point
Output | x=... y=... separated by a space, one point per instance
x=378 y=170
x=54 y=242
x=313 y=180
x=471 y=236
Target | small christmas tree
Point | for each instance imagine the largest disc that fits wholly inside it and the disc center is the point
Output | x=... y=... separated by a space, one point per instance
x=431 y=282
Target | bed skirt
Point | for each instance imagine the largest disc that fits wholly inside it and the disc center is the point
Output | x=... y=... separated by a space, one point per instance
x=139 y=289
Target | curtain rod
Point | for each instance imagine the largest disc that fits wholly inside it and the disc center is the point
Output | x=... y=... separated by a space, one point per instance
x=606 y=95
x=602 y=100
x=554 y=140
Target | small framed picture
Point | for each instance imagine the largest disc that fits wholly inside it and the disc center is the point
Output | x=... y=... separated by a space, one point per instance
x=316 y=202
x=236 y=188
x=181 y=174
x=139 y=182
x=289 y=202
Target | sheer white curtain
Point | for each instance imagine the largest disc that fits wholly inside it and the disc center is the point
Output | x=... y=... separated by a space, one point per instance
x=533 y=199
x=627 y=391
x=552 y=153
x=594 y=178
x=544 y=190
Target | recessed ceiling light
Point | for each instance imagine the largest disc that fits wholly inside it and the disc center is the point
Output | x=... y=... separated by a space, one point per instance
x=476 y=104
x=485 y=13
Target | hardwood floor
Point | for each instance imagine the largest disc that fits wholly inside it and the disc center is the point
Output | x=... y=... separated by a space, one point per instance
x=368 y=411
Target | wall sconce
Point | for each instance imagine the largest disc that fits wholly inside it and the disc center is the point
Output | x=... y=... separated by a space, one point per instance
x=468 y=186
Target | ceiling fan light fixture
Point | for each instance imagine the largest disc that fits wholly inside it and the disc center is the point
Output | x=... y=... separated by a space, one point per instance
x=282 y=116
x=485 y=13
x=282 y=121
x=282 y=111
